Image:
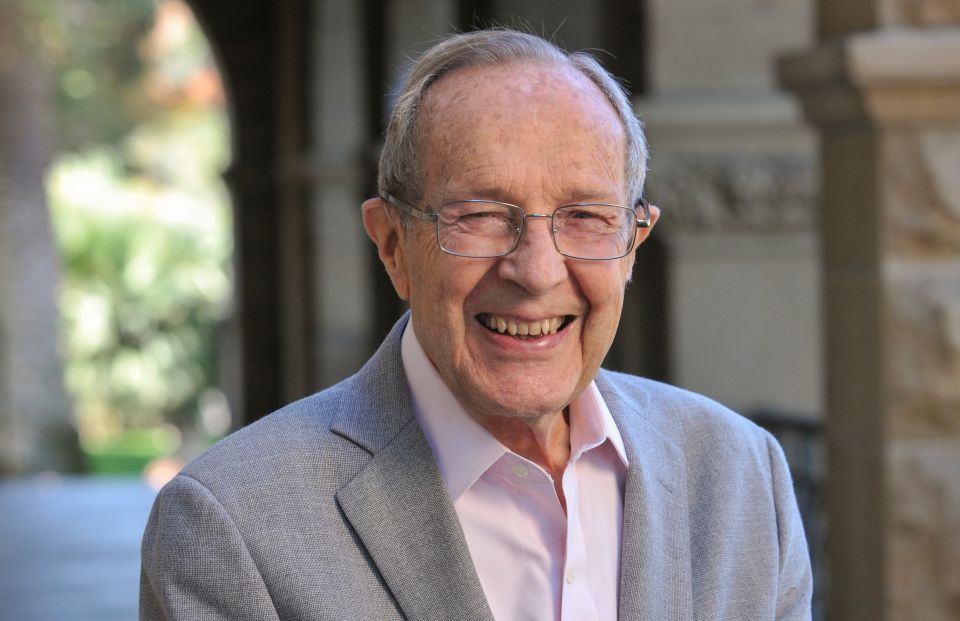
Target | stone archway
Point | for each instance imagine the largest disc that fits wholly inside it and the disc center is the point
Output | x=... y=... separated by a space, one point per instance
x=261 y=49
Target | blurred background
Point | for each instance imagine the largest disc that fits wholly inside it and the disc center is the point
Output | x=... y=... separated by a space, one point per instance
x=181 y=253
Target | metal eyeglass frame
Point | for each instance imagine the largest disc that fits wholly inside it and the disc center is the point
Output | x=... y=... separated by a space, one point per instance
x=420 y=214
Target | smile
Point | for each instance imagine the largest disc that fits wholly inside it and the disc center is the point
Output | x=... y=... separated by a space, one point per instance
x=516 y=327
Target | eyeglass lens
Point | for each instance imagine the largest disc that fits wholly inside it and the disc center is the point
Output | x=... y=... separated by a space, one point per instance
x=482 y=229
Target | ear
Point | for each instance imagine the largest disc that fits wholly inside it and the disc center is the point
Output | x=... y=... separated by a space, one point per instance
x=644 y=233
x=386 y=232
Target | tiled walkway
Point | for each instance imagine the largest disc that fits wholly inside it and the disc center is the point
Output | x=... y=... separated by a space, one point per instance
x=70 y=548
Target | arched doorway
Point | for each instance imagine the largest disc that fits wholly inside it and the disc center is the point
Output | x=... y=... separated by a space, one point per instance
x=262 y=51
x=122 y=110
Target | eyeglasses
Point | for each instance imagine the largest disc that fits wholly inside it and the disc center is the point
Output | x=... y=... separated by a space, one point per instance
x=484 y=229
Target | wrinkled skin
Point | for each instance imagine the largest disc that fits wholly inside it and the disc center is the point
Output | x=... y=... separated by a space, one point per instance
x=538 y=137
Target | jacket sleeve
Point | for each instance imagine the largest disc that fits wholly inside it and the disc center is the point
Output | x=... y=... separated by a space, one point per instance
x=194 y=563
x=795 y=591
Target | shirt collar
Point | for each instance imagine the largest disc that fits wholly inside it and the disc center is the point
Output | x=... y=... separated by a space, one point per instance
x=591 y=424
x=463 y=447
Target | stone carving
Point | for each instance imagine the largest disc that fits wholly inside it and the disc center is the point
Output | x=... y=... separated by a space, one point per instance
x=924 y=193
x=924 y=328
x=941 y=150
x=924 y=567
x=742 y=192
x=948 y=321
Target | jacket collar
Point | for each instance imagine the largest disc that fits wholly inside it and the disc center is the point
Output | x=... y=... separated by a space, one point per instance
x=397 y=503
x=375 y=403
x=655 y=563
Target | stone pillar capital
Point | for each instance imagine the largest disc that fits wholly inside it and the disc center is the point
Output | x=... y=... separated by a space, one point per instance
x=900 y=77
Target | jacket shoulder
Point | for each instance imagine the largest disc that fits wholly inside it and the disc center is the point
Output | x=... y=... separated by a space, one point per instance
x=710 y=436
x=677 y=413
x=291 y=439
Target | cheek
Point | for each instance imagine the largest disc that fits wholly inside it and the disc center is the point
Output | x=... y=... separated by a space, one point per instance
x=604 y=290
x=421 y=268
x=604 y=287
x=439 y=287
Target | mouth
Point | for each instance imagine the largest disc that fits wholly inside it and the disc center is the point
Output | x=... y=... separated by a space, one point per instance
x=523 y=329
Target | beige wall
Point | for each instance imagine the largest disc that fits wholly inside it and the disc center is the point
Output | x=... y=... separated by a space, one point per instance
x=734 y=170
x=747 y=311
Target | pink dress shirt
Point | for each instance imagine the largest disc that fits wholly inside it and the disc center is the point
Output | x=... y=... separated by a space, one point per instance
x=534 y=561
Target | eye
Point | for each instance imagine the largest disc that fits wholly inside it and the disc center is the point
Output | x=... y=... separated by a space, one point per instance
x=478 y=217
x=593 y=217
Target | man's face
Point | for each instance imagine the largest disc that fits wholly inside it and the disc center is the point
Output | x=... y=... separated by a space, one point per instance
x=539 y=138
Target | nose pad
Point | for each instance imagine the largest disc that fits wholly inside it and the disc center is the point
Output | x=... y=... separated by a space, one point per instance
x=535 y=264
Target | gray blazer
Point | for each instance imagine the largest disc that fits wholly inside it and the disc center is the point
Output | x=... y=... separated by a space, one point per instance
x=334 y=508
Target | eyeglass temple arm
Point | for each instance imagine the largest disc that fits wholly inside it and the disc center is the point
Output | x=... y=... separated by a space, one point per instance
x=407 y=208
x=644 y=222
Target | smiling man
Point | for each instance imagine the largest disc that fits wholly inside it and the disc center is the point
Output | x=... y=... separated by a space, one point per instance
x=481 y=465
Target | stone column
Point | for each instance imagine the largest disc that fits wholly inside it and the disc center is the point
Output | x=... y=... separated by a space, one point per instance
x=883 y=88
x=342 y=304
x=36 y=431
x=361 y=52
x=733 y=170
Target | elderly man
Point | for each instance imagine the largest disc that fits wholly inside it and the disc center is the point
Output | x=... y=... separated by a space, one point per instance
x=481 y=465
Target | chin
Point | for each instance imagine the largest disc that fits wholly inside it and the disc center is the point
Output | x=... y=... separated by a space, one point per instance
x=512 y=405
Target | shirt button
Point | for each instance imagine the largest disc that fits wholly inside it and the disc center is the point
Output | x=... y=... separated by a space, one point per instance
x=570 y=576
x=520 y=470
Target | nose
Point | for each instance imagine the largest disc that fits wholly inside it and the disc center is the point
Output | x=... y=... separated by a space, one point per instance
x=535 y=265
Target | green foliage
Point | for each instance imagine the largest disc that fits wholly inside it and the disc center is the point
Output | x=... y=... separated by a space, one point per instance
x=92 y=47
x=145 y=285
x=133 y=450
x=141 y=218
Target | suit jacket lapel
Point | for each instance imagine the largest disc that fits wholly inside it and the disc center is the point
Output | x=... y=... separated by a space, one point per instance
x=398 y=503
x=400 y=509
x=655 y=581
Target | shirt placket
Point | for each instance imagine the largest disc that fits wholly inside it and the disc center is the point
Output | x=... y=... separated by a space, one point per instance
x=577 y=600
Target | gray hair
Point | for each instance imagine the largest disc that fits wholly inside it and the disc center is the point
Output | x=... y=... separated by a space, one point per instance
x=401 y=159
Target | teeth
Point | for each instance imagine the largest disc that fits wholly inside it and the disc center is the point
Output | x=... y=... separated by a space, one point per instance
x=514 y=327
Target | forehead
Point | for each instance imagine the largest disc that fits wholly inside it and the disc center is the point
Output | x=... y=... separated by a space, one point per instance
x=520 y=120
